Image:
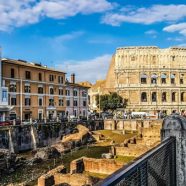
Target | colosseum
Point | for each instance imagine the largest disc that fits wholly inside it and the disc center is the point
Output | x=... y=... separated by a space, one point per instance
x=152 y=79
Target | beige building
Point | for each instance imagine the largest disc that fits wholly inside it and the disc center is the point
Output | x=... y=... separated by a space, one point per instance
x=95 y=90
x=152 y=79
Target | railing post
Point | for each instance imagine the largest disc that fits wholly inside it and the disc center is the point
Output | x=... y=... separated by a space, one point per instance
x=175 y=125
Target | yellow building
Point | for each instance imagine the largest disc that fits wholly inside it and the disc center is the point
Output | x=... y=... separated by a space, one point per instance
x=152 y=79
x=35 y=91
x=38 y=92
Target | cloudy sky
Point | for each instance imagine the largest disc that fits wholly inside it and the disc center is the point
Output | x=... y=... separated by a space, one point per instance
x=81 y=35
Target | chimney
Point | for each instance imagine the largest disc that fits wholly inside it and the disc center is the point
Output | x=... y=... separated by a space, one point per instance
x=73 y=78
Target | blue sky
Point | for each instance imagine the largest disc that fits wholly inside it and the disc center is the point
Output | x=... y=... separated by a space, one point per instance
x=81 y=35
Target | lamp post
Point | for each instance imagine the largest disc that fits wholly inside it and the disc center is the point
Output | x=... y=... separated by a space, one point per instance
x=99 y=102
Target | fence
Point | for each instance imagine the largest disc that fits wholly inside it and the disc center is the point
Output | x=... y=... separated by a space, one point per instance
x=156 y=167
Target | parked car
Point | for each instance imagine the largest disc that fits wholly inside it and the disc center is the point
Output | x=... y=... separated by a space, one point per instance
x=6 y=123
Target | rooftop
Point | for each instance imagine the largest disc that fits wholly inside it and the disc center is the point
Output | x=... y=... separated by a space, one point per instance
x=151 y=47
x=30 y=64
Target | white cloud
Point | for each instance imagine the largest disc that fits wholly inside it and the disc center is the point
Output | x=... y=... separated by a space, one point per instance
x=182 y=45
x=88 y=70
x=67 y=37
x=58 y=43
x=153 y=14
x=180 y=27
x=152 y=33
x=177 y=39
x=15 y=13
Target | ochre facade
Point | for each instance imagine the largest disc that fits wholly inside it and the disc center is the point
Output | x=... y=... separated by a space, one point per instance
x=38 y=92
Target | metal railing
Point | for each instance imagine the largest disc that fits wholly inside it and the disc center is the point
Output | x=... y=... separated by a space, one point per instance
x=157 y=167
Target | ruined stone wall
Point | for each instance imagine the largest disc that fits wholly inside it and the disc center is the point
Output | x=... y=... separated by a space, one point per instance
x=132 y=150
x=134 y=125
x=102 y=166
x=26 y=137
x=73 y=179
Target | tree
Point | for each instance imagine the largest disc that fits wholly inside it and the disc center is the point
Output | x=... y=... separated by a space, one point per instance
x=110 y=101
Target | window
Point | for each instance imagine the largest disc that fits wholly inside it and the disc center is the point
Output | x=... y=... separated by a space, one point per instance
x=75 y=92
x=40 y=77
x=27 y=89
x=163 y=78
x=172 y=78
x=143 y=97
x=183 y=97
x=60 y=102
x=154 y=97
x=67 y=92
x=154 y=58
x=27 y=101
x=143 y=79
x=84 y=113
x=51 y=102
x=12 y=88
x=27 y=75
x=84 y=94
x=40 y=101
x=164 y=97
x=68 y=103
x=51 y=77
x=12 y=73
x=13 y=101
x=60 y=79
x=181 y=80
x=84 y=103
x=173 y=96
x=40 y=90
x=4 y=95
x=60 y=91
x=75 y=103
x=173 y=58
x=154 y=79
x=51 y=91
x=133 y=58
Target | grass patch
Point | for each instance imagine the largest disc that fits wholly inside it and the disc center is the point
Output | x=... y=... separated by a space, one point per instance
x=91 y=152
x=124 y=159
x=26 y=172
x=96 y=175
x=118 y=138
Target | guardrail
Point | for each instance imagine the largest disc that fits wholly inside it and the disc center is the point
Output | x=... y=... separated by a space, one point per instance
x=156 y=167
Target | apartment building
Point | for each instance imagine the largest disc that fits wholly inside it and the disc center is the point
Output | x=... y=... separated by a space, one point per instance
x=76 y=98
x=4 y=107
x=34 y=91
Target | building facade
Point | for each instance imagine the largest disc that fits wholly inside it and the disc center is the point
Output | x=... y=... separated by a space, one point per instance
x=96 y=90
x=34 y=91
x=4 y=107
x=152 y=79
x=76 y=98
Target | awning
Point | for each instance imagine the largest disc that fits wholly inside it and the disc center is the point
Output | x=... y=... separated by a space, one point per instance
x=172 y=76
x=51 y=108
x=143 y=76
x=12 y=82
x=154 y=76
x=5 y=108
x=27 y=84
x=163 y=76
